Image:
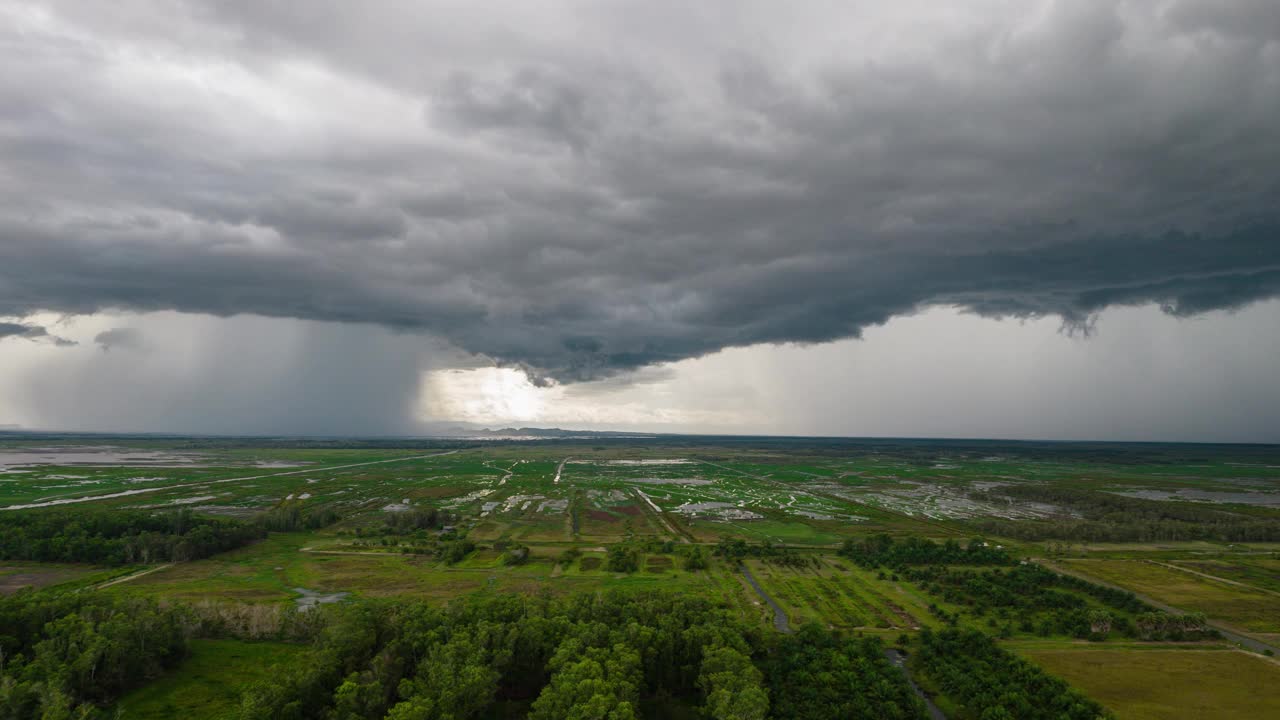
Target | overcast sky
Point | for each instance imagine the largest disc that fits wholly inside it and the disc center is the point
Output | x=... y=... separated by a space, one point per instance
x=1003 y=218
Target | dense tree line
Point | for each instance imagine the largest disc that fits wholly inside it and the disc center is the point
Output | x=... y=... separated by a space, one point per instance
x=413 y=521
x=817 y=675
x=584 y=657
x=66 y=657
x=992 y=683
x=589 y=657
x=1107 y=517
x=884 y=550
x=736 y=549
x=119 y=537
x=449 y=549
x=293 y=516
x=1035 y=599
x=1158 y=625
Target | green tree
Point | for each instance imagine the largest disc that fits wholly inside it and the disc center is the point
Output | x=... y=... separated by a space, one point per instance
x=590 y=683
x=622 y=558
x=696 y=559
x=733 y=686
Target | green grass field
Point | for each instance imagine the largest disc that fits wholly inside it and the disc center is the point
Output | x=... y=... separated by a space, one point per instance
x=268 y=571
x=1259 y=572
x=1169 y=684
x=18 y=576
x=207 y=685
x=1242 y=607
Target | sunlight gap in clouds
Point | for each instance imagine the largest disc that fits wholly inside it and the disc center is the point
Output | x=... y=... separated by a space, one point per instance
x=485 y=395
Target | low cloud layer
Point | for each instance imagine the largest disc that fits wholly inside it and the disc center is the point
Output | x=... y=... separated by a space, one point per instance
x=121 y=337
x=582 y=189
x=242 y=375
x=32 y=332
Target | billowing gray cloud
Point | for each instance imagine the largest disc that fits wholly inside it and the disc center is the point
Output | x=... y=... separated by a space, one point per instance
x=121 y=337
x=32 y=332
x=579 y=190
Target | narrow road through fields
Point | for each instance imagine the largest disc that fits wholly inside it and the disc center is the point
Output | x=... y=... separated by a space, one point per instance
x=657 y=514
x=133 y=576
x=1215 y=578
x=1228 y=633
x=204 y=483
x=559 y=470
x=779 y=617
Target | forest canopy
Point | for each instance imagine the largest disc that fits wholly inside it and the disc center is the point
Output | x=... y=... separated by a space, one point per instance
x=120 y=537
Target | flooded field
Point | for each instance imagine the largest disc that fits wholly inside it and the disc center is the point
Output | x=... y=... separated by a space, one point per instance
x=311 y=599
x=603 y=493
x=1264 y=499
x=940 y=502
x=95 y=455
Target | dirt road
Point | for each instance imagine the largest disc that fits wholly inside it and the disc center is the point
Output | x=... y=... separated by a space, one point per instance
x=779 y=617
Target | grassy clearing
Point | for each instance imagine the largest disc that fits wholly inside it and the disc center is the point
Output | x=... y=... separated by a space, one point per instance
x=1169 y=683
x=269 y=571
x=1241 y=607
x=208 y=684
x=1132 y=549
x=841 y=597
x=16 y=576
x=728 y=583
x=1261 y=573
x=792 y=532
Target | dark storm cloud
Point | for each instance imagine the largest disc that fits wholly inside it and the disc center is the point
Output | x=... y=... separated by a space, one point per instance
x=31 y=332
x=578 y=190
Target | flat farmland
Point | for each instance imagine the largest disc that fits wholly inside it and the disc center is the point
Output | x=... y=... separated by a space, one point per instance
x=1249 y=609
x=1258 y=572
x=550 y=497
x=835 y=594
x=19 y=576
x=884 y=539
x=272 y=571
x=1169 y=684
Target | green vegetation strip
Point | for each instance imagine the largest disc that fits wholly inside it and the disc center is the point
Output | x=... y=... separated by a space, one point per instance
x=208 y=684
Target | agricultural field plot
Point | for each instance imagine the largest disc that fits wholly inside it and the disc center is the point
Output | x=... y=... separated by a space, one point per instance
x=1258 y=572
x=1167 y=683
x=288 y=567
x=832 y=594
x=552 y=495
x=223 y=483
x=896 y=603
x=1163 y=551
x=726 y=582
x=50 y=485
x=689 y=491
x=939 y=484
x=208 y=684
x=610 y=491
x=937 y=501
x=18 y=576
x=1248 y=609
